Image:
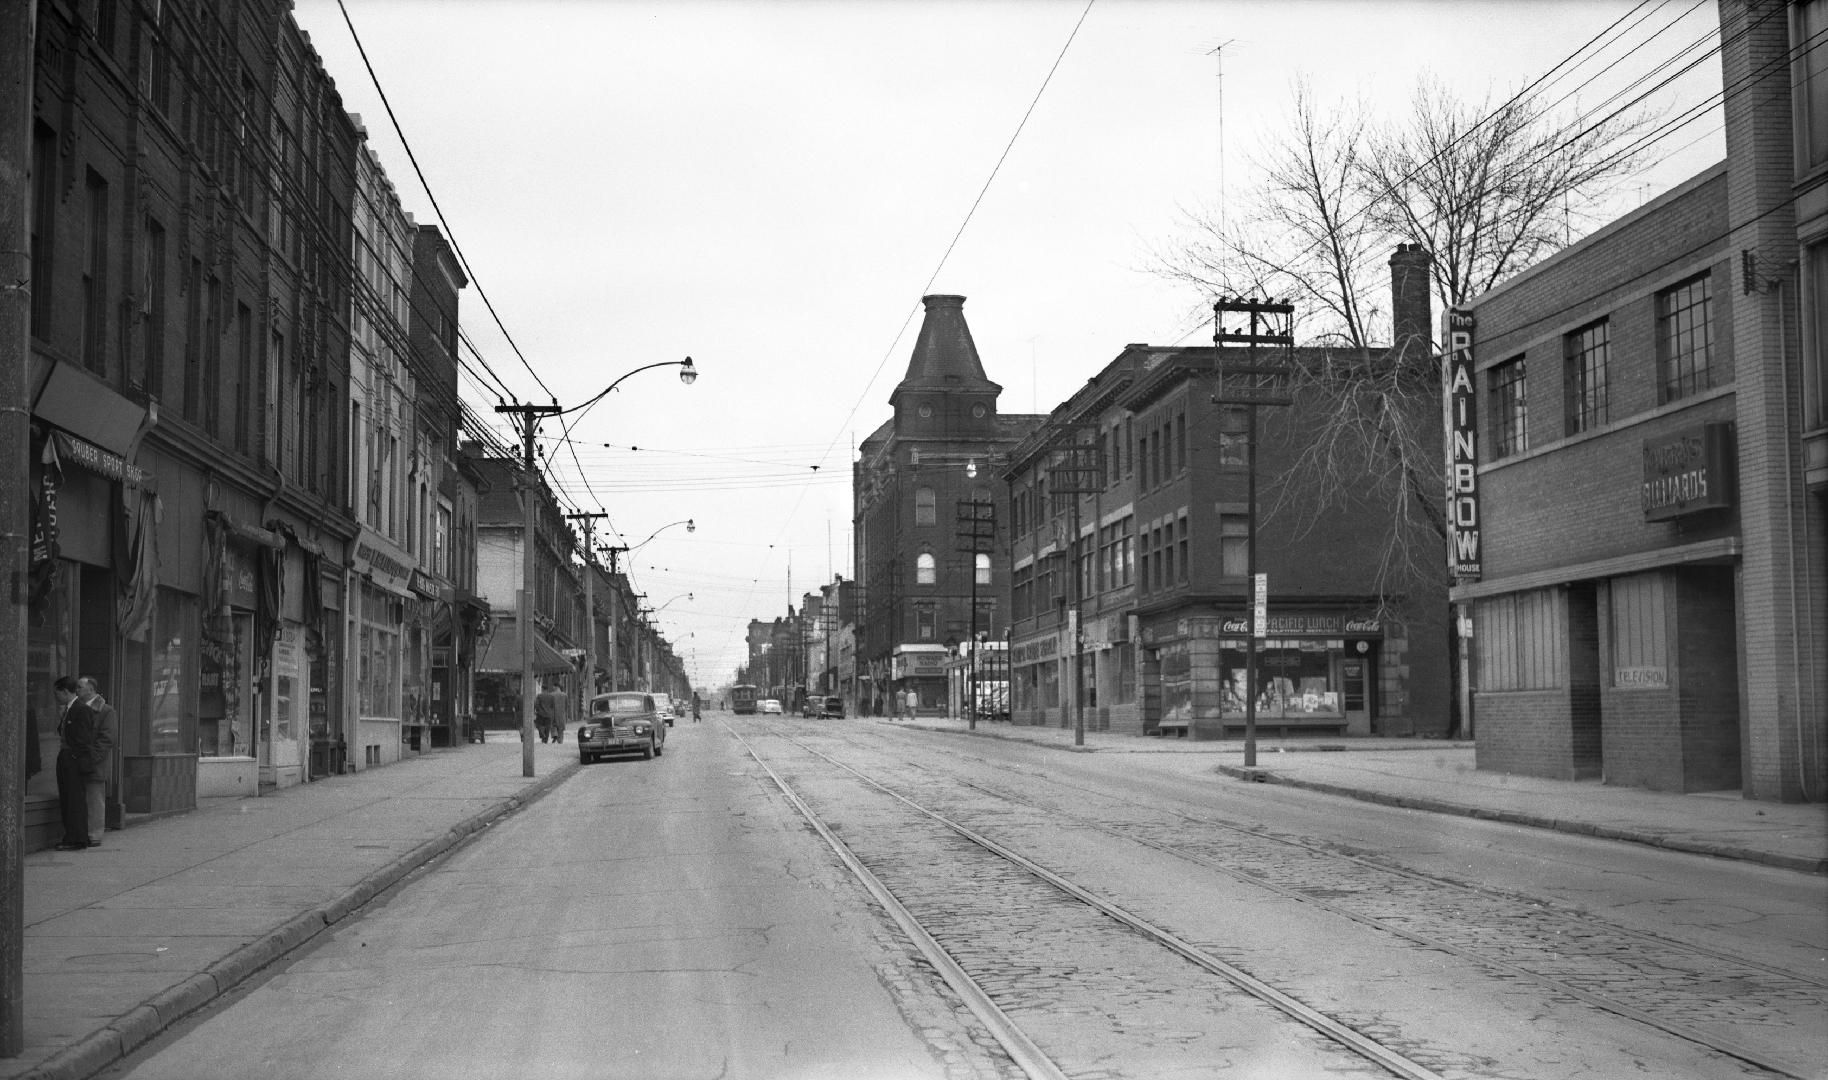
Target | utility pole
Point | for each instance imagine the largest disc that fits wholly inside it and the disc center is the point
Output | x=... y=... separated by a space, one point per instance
x=1077 y=471
x=1257 y=380
x=590 y=607
x=18 y=34
x=529 y=419
x=977 y=531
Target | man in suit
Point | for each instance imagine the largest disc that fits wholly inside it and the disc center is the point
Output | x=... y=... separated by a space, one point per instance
x=75 y=761
x=101 y=756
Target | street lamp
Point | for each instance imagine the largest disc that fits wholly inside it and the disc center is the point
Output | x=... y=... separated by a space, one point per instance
x=681 y=596
x=529 y=416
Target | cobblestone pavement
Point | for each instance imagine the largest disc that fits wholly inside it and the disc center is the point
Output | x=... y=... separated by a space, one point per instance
x=1570 y=972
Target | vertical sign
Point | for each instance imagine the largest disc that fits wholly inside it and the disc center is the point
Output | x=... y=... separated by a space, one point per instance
x=1461 y=426
x=1259 y=606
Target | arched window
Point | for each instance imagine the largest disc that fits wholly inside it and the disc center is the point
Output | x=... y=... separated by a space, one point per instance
x=983 y=569
x=926 y=571
x=926 y=510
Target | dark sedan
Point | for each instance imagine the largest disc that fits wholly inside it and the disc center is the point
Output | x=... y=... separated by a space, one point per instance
x=622 y=722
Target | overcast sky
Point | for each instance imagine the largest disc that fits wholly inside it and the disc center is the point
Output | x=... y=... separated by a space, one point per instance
x=770 y=187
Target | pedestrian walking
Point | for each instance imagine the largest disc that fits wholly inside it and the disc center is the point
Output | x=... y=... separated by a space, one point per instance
x=76 y=738
x=549 y=713
x=101 y=757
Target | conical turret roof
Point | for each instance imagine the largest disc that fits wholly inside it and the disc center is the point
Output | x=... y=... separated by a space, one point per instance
x=945 y=357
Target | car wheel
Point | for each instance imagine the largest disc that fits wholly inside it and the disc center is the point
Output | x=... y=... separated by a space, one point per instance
x=583 y=758
x=647 y=752
x=660 y=748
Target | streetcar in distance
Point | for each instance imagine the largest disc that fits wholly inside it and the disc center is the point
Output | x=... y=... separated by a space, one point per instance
x=742 y=699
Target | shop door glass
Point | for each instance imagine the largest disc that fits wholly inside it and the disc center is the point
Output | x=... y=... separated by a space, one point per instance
x=1353 y=673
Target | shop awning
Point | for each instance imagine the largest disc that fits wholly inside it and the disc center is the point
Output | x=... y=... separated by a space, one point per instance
x=504 y=654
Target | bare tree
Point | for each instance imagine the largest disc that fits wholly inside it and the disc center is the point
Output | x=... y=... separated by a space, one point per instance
x=1488 y=190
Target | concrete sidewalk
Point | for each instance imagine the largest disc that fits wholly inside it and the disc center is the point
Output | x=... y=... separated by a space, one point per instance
x=123 y=940
x=1439 y=776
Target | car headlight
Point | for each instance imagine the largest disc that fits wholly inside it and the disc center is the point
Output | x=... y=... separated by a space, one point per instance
x=586 y=732
x=642 y=729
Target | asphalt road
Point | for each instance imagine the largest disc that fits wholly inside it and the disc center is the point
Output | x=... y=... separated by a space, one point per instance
x=675 y=918
x=646 y=919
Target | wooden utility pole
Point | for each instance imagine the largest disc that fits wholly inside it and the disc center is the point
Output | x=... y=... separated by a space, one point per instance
x=590 y=607
x=529 y=419
x=18 y=33
x=1253 y=380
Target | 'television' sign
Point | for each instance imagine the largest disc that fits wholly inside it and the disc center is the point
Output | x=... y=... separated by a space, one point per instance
x=1687 y=472
x=1462 y=448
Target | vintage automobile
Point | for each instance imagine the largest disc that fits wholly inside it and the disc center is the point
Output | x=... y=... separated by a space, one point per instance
x=822 y=706
x=622 y=722
x=768 y=705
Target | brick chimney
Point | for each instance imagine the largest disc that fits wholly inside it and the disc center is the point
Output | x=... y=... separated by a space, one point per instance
x=1411 y=298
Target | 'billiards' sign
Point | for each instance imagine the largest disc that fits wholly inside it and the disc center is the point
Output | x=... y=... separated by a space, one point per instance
x=1688 y=471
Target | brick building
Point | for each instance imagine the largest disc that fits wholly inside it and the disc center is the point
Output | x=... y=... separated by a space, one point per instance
x=1648 y=603
x=1143 y=533
x=938 y=453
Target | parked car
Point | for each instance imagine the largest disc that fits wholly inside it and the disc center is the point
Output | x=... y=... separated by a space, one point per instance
x=768 y=705
x=622 y=722
x=823 y=706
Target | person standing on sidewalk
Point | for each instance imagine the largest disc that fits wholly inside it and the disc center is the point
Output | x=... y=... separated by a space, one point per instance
x=75 y=761
x=101 y=756
x=549 y=713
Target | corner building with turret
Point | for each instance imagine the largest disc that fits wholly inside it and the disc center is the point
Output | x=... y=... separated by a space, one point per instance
x=926 y=588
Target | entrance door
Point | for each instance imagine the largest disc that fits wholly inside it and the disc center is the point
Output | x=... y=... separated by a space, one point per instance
x=1355 y=677
x=281 y=751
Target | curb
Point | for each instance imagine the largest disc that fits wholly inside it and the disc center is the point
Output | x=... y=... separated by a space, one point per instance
x=1799 y=863
x=99 y=1049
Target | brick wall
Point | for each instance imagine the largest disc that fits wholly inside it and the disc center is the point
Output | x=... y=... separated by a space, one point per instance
x=1523 y=732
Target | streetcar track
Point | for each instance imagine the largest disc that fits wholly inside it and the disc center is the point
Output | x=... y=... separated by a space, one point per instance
x=1319 y=897
x=1561 y=910
x=1022 y=1049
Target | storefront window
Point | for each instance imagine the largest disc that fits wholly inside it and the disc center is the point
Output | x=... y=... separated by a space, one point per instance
x=225 y=726
x=51 y=652
x=1294 y=678
x=1049 y=674
x=1177 y=684
x=1124 y=660
x=174 y=658
x=378 y=655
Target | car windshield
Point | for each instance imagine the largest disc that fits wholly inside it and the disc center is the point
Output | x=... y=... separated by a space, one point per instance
x=620 y=705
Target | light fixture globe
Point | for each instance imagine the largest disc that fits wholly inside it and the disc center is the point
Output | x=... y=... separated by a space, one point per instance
x=687 y=373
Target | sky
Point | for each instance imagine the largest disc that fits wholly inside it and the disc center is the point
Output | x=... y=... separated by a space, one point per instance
x=770 y=188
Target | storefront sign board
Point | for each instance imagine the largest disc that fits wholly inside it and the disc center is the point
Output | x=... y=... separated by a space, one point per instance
x=1687 y=472
x=1461 y=424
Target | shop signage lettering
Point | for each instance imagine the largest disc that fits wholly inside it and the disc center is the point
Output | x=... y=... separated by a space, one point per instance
x=1039 y=649
x=1303 y=626
x=1640 y=677
x=1686 y=473
x=1461 y=421
x=98 y=461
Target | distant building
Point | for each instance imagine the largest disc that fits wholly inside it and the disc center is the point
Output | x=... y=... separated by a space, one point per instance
x=914 y=478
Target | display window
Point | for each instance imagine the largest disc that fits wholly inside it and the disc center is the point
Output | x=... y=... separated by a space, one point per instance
x=174 y=656
x=1295 y=678
x=225 y=718
x=378 y=655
